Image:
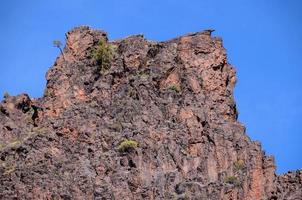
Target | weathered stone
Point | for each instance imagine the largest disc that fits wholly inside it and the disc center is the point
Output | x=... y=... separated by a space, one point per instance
x=174 y=98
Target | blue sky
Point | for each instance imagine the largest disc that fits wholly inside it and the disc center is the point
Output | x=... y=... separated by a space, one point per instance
x=263 y=41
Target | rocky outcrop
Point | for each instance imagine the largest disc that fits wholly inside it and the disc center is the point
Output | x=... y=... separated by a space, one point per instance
x=173 y=98
x=288 y=186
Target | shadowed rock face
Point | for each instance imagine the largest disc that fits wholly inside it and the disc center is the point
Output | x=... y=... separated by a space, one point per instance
x=174 y=98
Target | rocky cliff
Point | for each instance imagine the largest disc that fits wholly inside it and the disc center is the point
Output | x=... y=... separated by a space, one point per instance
x=159 y=121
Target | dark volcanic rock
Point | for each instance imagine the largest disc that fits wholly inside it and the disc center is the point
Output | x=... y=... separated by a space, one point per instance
x=174 y=98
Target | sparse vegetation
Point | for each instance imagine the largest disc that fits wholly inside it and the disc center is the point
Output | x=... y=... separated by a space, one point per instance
x=143 y=74
x=184 y=196
x=29 y=116
x=103 y=55
x=127 y=145
x=9 y=170
x=16 y=142
x=6 y=95
x=39 y=130
x=11 y=144
x=174 y=88
x=116 y=126
x=239 y=165
x=232 y=180
x=58 y=44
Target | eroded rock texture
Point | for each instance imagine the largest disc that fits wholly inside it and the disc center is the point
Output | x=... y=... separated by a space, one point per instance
x=174 y=98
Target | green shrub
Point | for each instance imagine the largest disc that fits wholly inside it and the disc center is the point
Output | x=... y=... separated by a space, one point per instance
x=127 y=145
x=239 y=165
x=232 y=180
x=174 y=88
x=103 y=55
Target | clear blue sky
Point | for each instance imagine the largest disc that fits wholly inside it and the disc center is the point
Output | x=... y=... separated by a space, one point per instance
x=263 y=41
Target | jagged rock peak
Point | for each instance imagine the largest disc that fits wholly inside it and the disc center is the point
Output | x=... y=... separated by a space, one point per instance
x=135 y=119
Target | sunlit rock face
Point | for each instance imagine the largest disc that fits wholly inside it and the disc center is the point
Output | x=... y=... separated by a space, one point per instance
x=173 y=98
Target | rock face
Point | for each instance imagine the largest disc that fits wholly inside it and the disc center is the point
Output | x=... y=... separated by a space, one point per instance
x=174 y=98
x=289 y=186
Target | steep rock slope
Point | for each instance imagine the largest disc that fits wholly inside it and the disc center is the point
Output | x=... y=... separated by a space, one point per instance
x=173 y=100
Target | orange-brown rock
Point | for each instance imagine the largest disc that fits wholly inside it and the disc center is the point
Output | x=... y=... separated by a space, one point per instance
x=174 y=98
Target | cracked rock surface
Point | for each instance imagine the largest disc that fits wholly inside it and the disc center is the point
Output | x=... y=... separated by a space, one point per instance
x=174 y=98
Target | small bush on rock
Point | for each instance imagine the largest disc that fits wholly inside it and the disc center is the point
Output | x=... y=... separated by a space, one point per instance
x=103 y=55
x=239 y=165
x=232 y=180
x=127 y=145
x=174 y=88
